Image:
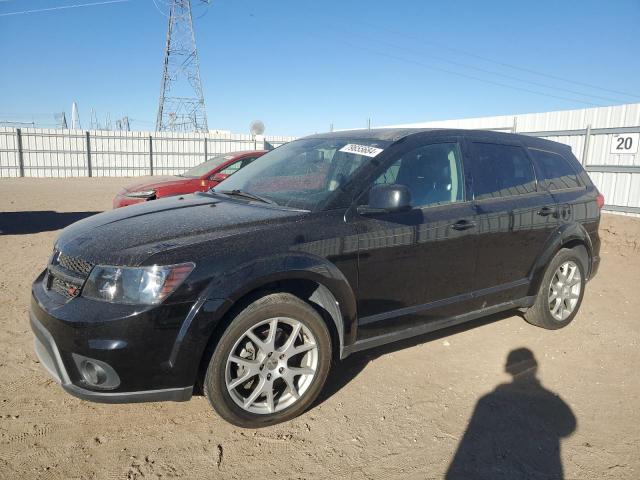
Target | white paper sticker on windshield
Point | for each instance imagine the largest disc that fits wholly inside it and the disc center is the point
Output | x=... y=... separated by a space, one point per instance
x=365 y=150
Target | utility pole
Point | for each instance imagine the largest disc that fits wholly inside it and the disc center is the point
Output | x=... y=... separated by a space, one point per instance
x=181 y=106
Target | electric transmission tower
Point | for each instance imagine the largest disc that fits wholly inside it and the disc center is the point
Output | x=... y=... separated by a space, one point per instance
x=181 y=107
x=75 y=117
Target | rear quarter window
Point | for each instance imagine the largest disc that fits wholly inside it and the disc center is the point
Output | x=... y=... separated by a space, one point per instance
x=554 y=171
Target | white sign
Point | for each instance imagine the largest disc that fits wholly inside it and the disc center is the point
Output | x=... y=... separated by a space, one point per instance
x=365 y=150
x=623 y=143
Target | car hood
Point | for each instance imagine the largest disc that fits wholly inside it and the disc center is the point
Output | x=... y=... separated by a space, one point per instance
x=157 y=183
x=129 y=236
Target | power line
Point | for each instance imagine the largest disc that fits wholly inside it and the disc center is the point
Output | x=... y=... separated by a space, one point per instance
x=159 y=9
x=352 y=20
x=63 y=7
x=542 y=74
x=25 y=114
x=460 y=74
x=496 y=62
x=147 y=122
x=491 y=72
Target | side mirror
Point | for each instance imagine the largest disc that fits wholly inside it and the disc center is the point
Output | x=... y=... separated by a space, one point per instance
x=387 y=198
x=218 y=177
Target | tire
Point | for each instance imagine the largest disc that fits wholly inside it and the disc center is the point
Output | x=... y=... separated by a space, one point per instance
x=568 y=301
x=269 y=325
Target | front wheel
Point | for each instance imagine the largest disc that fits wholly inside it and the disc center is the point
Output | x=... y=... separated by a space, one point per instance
x=561 y=291
x=270 y=363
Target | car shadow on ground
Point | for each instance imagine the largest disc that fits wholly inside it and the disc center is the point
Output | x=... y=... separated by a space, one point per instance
x=36 y=221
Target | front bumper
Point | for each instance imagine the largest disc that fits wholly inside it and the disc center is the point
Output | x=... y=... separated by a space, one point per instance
x=50 y=358
x=136 y=347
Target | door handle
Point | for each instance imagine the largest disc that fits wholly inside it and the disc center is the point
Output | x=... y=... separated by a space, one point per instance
x=463 y=225
x=546 y=211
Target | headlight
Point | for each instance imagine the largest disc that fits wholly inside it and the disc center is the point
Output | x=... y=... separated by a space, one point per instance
x=141 y=194
x=135 y=285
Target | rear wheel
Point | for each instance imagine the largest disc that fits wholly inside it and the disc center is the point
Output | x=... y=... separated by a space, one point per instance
x=561 y=291
x=270 y=363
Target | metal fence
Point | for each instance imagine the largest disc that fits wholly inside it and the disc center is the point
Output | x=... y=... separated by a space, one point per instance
x=617 y=175
x=34 y=152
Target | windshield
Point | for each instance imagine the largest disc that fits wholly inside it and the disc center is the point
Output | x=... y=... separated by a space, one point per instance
x=304 y=173
x=206 y=167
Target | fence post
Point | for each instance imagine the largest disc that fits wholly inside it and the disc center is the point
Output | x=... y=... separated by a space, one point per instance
x=89 y=167
x=150 y=155
x=585 y=149
x=20 y=157
x=206 y=154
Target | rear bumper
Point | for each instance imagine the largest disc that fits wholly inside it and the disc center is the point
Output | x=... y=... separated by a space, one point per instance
x=50 y=358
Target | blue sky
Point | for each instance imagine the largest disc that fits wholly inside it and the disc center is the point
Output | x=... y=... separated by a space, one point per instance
x=302 y=65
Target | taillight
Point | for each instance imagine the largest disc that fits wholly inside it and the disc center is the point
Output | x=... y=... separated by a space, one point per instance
x=600 y=200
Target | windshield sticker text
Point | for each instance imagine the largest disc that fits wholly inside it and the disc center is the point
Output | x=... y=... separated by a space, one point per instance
x=365 y=150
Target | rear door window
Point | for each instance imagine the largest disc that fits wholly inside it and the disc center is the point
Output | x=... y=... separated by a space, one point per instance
x=554 y=171
x=501 y=171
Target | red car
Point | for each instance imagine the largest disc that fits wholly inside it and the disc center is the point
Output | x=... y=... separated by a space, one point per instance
x=197 y=179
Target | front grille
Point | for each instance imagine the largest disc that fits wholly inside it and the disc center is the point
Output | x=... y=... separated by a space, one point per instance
x=73 y=264
x=66 y=289
x=67 y=274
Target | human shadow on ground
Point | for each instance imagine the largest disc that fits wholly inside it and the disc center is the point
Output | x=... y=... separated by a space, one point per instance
x=36 y=221
x=515 y=430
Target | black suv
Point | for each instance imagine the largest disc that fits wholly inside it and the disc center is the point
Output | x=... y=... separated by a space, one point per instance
x=325 y=246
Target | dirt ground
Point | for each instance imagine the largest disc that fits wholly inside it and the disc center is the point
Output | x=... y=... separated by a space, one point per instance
x=400 y=411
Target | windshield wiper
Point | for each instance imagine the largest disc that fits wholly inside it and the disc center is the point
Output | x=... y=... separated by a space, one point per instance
x=241 y=193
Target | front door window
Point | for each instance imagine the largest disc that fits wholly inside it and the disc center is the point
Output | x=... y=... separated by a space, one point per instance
x=433 y=174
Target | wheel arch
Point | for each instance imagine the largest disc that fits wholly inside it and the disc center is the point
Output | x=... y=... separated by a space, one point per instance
x=312 y=279
x=569 y=235
x=310 y=290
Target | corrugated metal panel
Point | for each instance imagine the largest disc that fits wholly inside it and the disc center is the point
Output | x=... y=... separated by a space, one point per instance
x=627 y=115
x=620 y=188
x=8 y=153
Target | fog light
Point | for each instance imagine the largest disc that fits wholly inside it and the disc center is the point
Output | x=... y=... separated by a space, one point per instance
x=93 y=373
x=96 y=373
